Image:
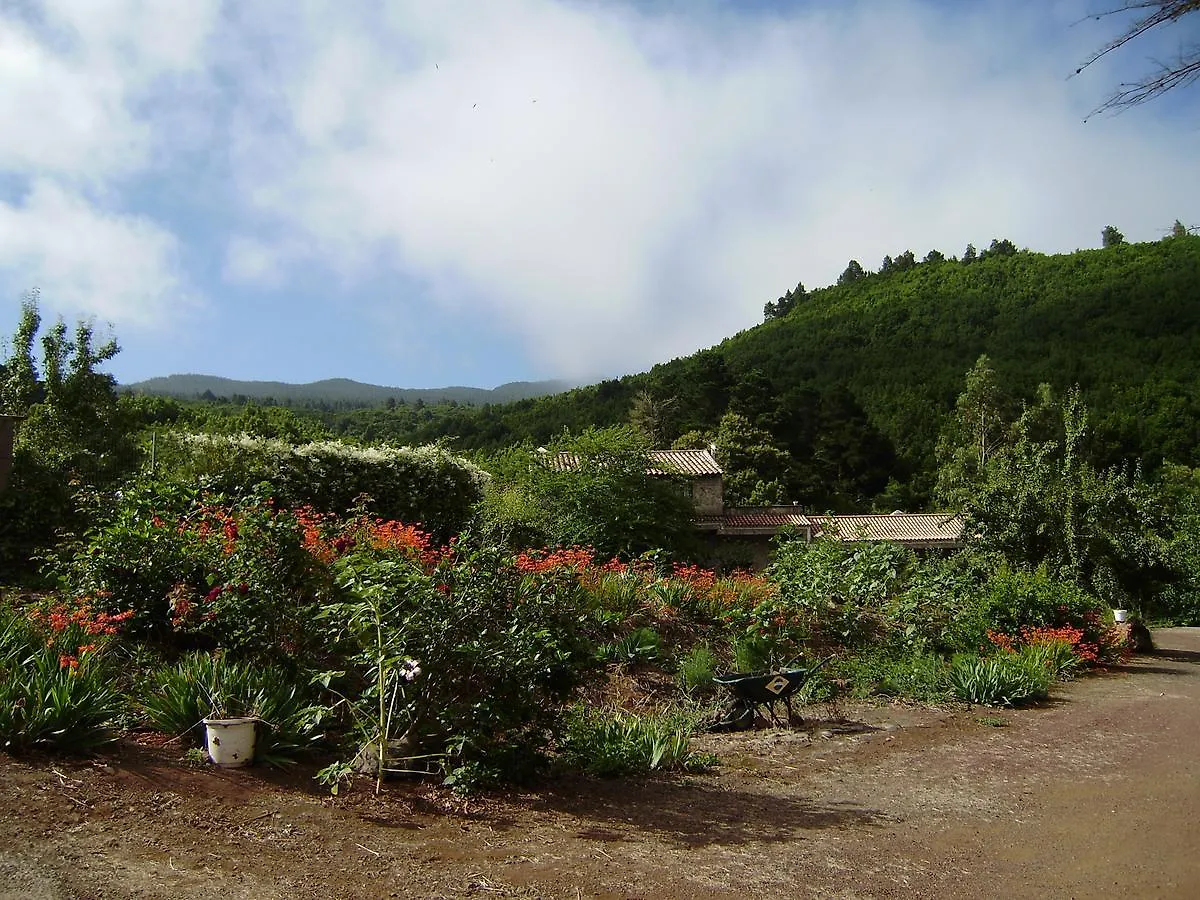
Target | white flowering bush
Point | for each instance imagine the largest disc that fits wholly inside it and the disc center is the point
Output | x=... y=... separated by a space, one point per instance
x=426 y=485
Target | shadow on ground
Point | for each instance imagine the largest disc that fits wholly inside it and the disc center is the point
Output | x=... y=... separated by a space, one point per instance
x=696 y=815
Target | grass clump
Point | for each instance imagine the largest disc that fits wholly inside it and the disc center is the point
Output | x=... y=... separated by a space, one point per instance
x=608 y=742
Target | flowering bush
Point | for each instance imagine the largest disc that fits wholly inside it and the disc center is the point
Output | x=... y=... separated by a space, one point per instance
x=56 y=689
x=73 y=630
x=426 y=484
x=499 y=649
x=197 y=568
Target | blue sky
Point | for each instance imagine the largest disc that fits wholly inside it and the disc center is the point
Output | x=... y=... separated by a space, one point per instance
x=420 y=194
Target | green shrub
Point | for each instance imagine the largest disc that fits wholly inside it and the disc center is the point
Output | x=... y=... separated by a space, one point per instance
x=753 y=653
x=591 y=489
x=696 y=670
x=921 y=676
x=839 y=589
x=1017 y=597
x=51 y=700
x=1057 y=657
x=1007 y=679
x=426 y=485
x=490 y=655
x=942 y=606
x=200 y=568
x=640 y=646
x=610 y=742
x=202 y=685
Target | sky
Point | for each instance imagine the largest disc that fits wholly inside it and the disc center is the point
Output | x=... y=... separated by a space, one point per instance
x=473 y=192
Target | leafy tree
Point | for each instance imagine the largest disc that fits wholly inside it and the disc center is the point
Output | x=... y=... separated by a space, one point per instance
x=853 y=272
x=1179 y=229
x=969 y=255
x=19 y=388
x=1037 y=500
x=999 y=247
x=592 y=489
x=972 y=436
x=750 y=459
x=779 y=308
x=1110 y=237
x=854 y=459
x=74 y=434
x=934 y=256
x=654 y=418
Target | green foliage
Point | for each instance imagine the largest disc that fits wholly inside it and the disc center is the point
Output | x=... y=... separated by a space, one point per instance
x=199 y=567
x=899 y=343
x=48 y=701
x=753 y=652
x=696 y=670
x=423 y=485
x=840 y=589
x=916 y=676
x=592 y=489
x=498 y=651
x=73 y=434
x=1007 y=679
x=205 y=685
x=642 y=645
x=1111 y=237
x=612 y=742
x=1029 y=493
x=1016 y=597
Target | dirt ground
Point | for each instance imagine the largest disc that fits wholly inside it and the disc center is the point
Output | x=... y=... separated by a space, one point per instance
x=1093 y=794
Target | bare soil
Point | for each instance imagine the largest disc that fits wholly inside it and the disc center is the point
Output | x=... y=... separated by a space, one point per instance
x=1092 y=794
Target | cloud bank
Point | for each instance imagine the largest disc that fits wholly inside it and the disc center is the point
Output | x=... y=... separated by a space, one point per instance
x=609 y=184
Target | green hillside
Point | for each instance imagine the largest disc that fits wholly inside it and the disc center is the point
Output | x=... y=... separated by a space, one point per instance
x=850 y=387
x=838 y=399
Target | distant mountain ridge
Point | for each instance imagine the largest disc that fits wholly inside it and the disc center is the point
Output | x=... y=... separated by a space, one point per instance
x=336 y=391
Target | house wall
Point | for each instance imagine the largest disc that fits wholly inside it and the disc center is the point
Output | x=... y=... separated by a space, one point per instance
x=708 y=496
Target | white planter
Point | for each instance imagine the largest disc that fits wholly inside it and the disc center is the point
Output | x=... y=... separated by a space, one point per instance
x=1121 y=615
x=231 y=741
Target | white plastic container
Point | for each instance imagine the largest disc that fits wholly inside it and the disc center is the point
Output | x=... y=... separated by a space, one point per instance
x=1121 y=615
x=231 y=741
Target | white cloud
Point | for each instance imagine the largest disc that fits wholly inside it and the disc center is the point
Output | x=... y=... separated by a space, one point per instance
x=74 y=76
x=120 y=268
x=683 y=162
x=85 y=112
x=678 y=171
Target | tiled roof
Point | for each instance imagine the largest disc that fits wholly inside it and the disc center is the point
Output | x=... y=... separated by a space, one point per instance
x=924 y=529
x=910 y=529
x=764 y=517
x=684 y=462
x=697 y=463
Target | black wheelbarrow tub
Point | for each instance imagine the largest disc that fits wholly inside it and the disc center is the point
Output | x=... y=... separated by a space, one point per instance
x=764 y=687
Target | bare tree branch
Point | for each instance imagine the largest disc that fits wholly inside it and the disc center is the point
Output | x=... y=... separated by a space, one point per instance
x=1181 y=71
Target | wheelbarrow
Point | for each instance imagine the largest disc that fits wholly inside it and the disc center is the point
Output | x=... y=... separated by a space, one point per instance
x=755 y=693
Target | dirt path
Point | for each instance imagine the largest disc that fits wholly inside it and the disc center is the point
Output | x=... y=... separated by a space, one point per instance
x=1093 y=795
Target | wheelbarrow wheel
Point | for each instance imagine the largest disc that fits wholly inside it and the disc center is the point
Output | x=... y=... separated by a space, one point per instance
x=738 y=716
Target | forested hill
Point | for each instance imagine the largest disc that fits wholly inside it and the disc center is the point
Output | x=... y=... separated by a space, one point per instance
x=846 y=387
x=334 y=393
x=838 y=398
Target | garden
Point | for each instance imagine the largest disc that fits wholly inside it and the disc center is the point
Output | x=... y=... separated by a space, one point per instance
x=385 y=612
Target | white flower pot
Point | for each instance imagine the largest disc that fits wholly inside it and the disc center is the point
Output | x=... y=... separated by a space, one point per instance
x=1121 y=615
x=231 y=741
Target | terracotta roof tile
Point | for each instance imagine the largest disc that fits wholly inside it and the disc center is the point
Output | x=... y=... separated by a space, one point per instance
x=697 y=463
x=929 y=529
x=684 y=462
